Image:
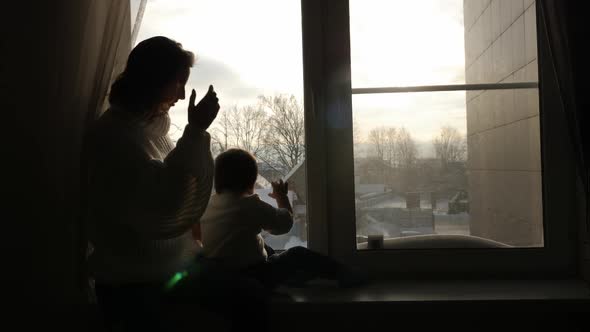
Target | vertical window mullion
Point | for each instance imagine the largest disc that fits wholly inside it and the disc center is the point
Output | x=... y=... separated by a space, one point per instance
x=314 y=101
x=339 y=141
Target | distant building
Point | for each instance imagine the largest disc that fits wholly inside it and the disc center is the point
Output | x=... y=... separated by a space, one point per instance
x=296 y=194
x=268 y=172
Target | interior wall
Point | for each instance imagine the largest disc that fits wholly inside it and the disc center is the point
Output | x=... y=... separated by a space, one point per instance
x=40 y=62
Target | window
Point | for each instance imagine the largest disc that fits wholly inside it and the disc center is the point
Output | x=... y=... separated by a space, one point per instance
x=420 y=118
x=257 y=73
x=431 y=122
x=464 y=157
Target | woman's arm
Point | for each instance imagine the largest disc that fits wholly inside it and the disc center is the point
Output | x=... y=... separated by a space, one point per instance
x=160 y=199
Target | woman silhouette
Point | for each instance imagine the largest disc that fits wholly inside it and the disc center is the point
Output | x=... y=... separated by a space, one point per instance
x=145 y=194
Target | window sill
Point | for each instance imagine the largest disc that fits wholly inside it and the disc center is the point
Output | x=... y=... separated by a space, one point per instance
x=494 y=305
x=439 y=294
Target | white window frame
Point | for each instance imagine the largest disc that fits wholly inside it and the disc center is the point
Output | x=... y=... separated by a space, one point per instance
x=330 y=167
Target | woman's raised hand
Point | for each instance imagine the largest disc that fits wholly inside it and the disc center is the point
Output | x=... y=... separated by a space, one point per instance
x=202 y=114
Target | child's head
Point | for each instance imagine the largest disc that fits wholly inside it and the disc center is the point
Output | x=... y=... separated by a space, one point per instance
x=235 y=171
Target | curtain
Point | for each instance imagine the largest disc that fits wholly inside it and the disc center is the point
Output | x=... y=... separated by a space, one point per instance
x=567 y=31
x=58 y=59
x=100 y=52
x=112 y=41
x=114 y=47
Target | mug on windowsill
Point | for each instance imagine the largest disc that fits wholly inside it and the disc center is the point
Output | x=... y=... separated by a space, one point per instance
x=375 y=241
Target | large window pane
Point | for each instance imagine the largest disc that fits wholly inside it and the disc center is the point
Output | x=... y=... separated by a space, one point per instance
x=405 y=43
x=251 y=52
x=449 y=163
x=434 y=42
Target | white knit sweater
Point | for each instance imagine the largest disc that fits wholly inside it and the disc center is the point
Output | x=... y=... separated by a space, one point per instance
x=144 y=196
x=231 y=226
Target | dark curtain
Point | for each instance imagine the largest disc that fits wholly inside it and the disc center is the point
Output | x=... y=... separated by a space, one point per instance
x=566 y=24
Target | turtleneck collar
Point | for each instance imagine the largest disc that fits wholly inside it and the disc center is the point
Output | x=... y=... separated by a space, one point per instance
x=153 y=126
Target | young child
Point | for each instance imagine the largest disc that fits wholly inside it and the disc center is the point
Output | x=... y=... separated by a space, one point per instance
x=231 y=225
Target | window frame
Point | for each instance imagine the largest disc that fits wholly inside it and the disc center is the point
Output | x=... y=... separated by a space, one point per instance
x=330 y=169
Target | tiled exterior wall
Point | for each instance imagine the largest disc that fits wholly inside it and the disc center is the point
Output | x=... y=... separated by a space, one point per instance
x=504 y=166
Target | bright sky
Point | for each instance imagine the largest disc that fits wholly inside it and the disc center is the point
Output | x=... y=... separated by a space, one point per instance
x=248 y=48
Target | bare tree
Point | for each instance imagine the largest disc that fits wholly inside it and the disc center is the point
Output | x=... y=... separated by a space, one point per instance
x=384 y=141
x=390 y=136
x=249 y=128
x=221 y=133
x=406 y=150
x=377 y=139
x=240 y=127
x=449 y=146
x=285 y=141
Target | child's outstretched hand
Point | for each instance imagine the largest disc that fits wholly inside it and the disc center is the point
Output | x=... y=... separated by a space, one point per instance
x=279 y=189
x=279 y=193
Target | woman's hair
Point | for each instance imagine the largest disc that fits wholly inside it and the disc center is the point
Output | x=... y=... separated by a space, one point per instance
x=152 y=65
x=235 y=171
